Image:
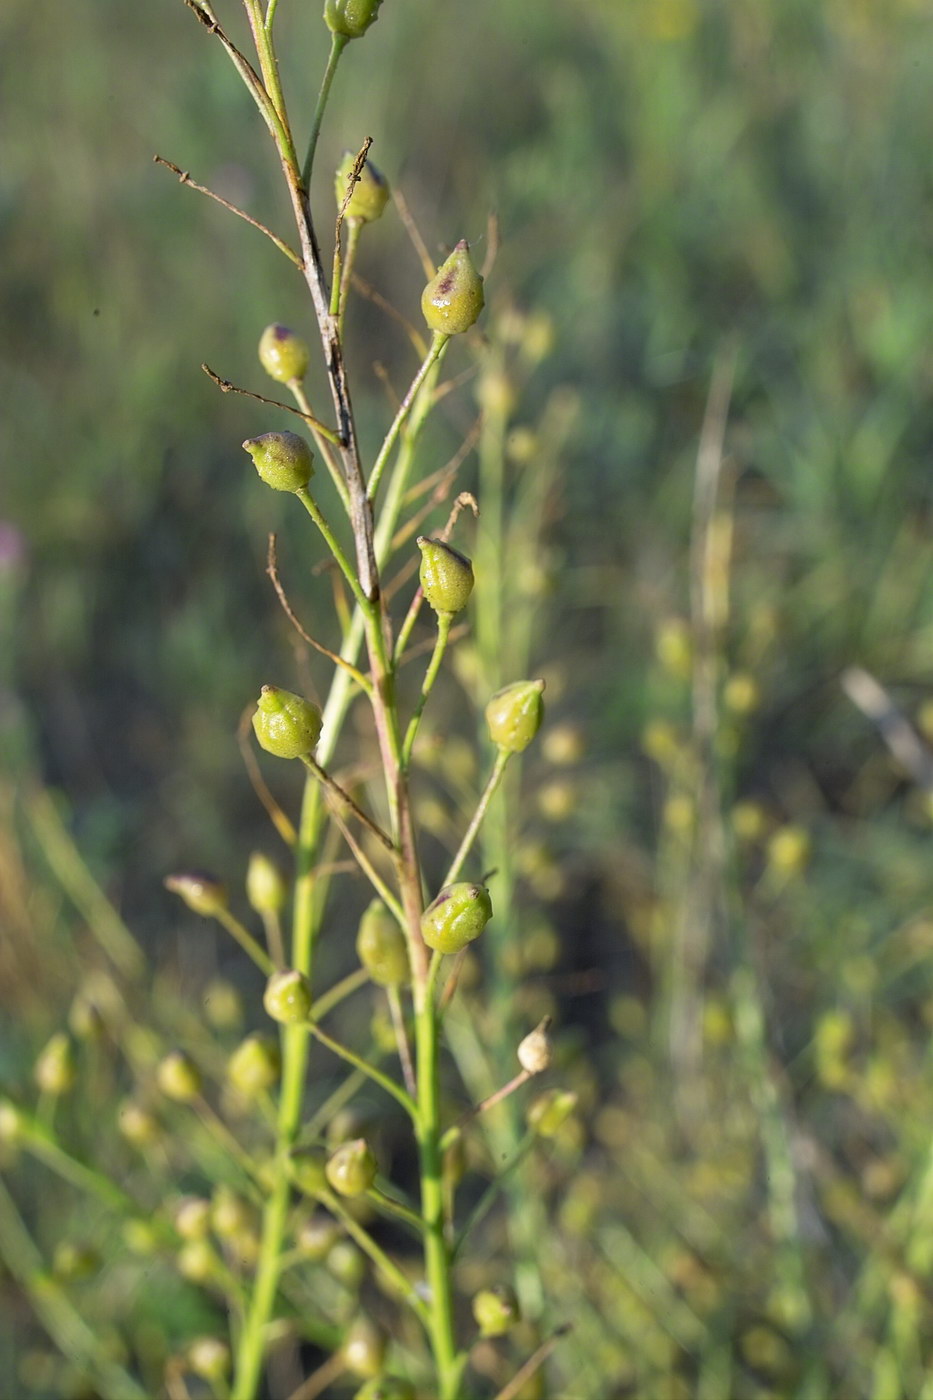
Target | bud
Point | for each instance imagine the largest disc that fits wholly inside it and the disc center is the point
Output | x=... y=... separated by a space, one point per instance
x=496 y=1310
x=364 y=1348
x=534 y=1052
x=135 y=1124
x=266 y=887
x=140 y=1236
x=370 y=192
x=514 y=715
x=209 y=1357
x=550 y=1111
x=285 y=724
x=352 y=1168
x=192 y=1217
x=386 y=1388
x=284 y=461
x=255 y=1065
x=453 y=299
x=55 y=1071
x=457 y=916
x=179 y=1077
x=283 y=355
x=84 y=1019
x=307 y=1169
x=381 y=947
x=446 y=576
x=200 y=892
x=350 y=18
x=287 y=997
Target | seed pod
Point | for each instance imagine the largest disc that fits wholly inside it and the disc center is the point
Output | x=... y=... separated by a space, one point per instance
x=352 y=1168
x=370 y=192
x=284 y=461
x=364 y=1348
x=12 y=1123
x=223 y=1005
x=209 y=1357
x=514 y=715
x=140 y=1236
x=135 y=1124
x=347 y=1263
x=74 y=1261
x=496 y=1310
x=534 y=1052
x=381 y=947
x=179 y=1077
x=550 y=1111
x=308 y=1170
x=230 y=1214
x=285 y=724
x=200 y=892
x=457 y=916
x=386 y=1388
x=255 y=1065
x=287 y=997
x=283 y=355
x=350 y=18
x=191 y=1217
x=317 y=1236
x=446 y=575
x=266 y=887
x=453 y=299
x=55 y=1071
x=196 y=1261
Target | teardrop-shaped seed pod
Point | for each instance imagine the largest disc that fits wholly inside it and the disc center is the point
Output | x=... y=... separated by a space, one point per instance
x=446 y=575
x=284 y=461
x=285 y=724
x=283 y=354
x=453 y=299
x=457 y=916
x=514 y=715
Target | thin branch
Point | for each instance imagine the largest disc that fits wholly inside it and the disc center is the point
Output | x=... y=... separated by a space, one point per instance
x=278 y=818
x=343 y=796
x=533 y=1364
x=492 y=244
x=225 y=387
x=353 y=180
x=369 y=870
x=272 y=571
x=367 y=290
x=411 y=228
x=185 y=179
x=242 y=64
x=903 y=741
x=376 y=1075
x=427 y=483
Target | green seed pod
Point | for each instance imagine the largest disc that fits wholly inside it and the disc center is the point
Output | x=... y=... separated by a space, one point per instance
x=446 y=576
x=55 y=1071
x=200 y=892
x=266 y=886
x=317 y=1236
x=514 y=715
x=191 y=1217
x=12 y=1123
x=381 y=947
x=534 y=1052
x=287 y=997
x=84 y=1019
x=230 y=1215
x=386 y=1388
x=283 y=355
x=352 y=1168
x=135 y=1124
x=364 y=1348
x=370 y=192
x=347 y=1263
x=496 y=1310
x=140 y=1237
x=179 y=1077
x=307 y=1169
x=72 y=1262
x=453 y=299
x=223 y=1005
x=209 y=1357
x=284 y=461
x=285 y=724
x=255 y=1065
x=196 y=1261
x=550 y=1111
x=457 y=916
x=350 y=18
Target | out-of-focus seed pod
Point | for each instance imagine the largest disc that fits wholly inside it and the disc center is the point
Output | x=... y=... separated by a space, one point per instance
x=514 y=715
x=200 y=892
x=209 y=1357
x=741 y=693
x=386 y=1388
x=381 y=947
x=364 y=1348
x=495 y=1310
x=350 y=18
x=550 y=1111
x=285 y=724
x=223 y=1005
x=534 y=1052
x=370 y=192
x=308 y=1170
x=135 y=1124
x=178 y=1077
x=84 y=1019
x=287 y=997
x=196 y=1261
x=12 y=1123
x=446 y=575
x=266 y=886
x=74 y=1261
x=789 y=850
x=453 y=299
x=140 y=1237
x=352 y=1168
x=457 y=916
x=347 y=1263
x=255 y=1065
x=55 y=1071
x=283 y=354
x=191 y=1217
x=230 y=1215
x=563 y=744
x=283 y=460
x=317 y=1236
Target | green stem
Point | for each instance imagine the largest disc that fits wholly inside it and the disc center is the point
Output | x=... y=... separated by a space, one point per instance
x=322 y=444
x=338 y=992
x=444 y=621
x=393 y=1207
x=341 y=289
x=335 y=547
x=469 y=836
x=371 y=1072
x=378 y=1256
x=246 y=940
x=436 y=349
x=337 y=45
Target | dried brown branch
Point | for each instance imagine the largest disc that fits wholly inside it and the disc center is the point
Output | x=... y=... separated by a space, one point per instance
x=226 y=387
x=273 y=571
x=185 y=179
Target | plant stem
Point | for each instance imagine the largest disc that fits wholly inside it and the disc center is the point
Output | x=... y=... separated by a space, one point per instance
x=469 y=836
x=333 y=544
x=246 y=940
x=435 y=351
x=371 y=1072
x=337 y=45
x=444 y=621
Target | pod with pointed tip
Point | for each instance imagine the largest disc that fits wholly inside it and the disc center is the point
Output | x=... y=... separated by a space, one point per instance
x=283 y=354
x=496 y=1310
x=285 y=724
x=446 y=575
x=284 y=461
x=200 y=892
x=351 y=1170
x=514 y=715
x=457 y=916
x=255 y=1065
x=350 y=18
x=381 y=947
x=287 y=997
x=453 y=299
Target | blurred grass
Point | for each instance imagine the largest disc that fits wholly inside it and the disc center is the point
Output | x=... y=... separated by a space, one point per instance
x=673 y=179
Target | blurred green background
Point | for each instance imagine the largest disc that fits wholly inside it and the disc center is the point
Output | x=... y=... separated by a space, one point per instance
x=738 y=870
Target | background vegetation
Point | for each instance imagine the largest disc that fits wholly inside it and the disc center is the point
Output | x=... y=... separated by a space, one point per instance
x=737 y=870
